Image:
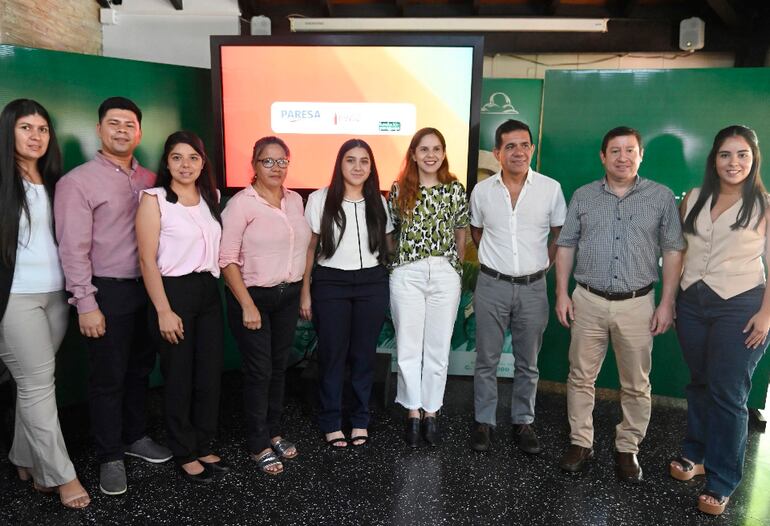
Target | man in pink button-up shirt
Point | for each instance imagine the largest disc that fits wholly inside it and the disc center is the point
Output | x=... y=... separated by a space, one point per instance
x=95 y=207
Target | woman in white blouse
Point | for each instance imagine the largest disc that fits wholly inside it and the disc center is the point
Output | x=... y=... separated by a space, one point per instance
x=348 y=294
x=33 y=306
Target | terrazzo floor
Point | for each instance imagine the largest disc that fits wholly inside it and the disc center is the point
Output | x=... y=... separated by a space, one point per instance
x=387 y=483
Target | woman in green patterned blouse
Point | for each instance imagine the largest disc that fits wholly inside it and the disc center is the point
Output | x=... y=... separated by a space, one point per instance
x=430 y=213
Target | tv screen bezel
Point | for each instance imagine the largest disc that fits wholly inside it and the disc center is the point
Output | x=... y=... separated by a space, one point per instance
x=476 y=42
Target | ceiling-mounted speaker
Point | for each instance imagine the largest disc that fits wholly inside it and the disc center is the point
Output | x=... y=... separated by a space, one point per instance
x=692 y=34
x=260 y=25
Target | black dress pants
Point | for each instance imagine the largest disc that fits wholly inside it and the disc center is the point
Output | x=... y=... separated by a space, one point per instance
x=120 y=363
x=264 y=353
x=348 y=312
x=192 y=368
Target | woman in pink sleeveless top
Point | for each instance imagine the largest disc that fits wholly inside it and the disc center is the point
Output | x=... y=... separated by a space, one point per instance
x=178 y=230
x=723 y=312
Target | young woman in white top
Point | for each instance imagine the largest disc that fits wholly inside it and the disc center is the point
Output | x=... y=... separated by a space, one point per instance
x=178 y=230
x=33 y=306
x=348 y=294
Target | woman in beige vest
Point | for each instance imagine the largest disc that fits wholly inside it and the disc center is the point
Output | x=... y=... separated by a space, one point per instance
x=723 y=312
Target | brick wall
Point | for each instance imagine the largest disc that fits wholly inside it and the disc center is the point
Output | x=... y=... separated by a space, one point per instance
x=64 y=25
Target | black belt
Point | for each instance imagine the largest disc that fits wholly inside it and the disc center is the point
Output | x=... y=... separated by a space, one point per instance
x=618 y=296
x=517 y=280
x=120 y=280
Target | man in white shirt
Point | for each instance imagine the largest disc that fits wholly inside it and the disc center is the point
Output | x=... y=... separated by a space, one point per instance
x=512 y=214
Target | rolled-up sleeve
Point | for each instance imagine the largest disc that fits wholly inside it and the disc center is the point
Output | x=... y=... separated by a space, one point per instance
x=74 y=226
x=671 y=227
x=570 y=231
x=234 y=222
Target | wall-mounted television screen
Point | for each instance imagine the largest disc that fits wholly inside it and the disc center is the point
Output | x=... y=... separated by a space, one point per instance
x=317 y=91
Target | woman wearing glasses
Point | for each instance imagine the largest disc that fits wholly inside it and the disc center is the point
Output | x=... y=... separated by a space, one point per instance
x=264 y=244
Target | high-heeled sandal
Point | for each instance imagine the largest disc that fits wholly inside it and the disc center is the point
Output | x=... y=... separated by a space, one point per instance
x=712 y=509
x=687 y=470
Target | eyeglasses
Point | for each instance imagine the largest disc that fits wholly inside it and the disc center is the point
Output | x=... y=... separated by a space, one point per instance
x=268 y=162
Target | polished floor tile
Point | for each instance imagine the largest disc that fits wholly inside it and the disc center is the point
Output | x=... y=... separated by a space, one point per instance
x=387 y=483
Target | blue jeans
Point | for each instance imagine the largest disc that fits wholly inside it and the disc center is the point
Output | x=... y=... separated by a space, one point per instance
x=710 y=331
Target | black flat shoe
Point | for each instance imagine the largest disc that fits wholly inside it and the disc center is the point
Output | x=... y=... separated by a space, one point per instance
x=430 y=431
x=217 y=468
x=204 y=477
x=412 y=432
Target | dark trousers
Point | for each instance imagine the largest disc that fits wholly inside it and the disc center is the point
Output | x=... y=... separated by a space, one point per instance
x=710 y=331
x=264 y=353
x=348 y=313
x=120 y=363
x=192 y=368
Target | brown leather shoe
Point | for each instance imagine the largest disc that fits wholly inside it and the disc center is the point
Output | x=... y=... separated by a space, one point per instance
x=575 y=458
x=627 y=468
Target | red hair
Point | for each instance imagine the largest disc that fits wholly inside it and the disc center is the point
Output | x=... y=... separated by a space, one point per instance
x=409 y=178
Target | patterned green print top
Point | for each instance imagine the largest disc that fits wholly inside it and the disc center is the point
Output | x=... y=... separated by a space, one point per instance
x=430 y=231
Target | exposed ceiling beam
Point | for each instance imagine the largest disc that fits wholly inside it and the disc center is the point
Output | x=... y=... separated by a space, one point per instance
x=726 y=13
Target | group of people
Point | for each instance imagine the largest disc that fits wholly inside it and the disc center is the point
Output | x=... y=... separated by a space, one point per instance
x=610 y=239
x=140 y=257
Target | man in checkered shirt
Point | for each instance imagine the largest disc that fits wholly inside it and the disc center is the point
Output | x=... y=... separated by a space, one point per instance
x=615 y=231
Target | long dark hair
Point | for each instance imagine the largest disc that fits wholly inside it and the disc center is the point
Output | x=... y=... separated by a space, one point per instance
x=204 y=183
x=13 y=198
x=375 y=211
x=754 y=193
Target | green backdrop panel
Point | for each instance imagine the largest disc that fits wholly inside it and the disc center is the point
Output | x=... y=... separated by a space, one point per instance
x=678 y=112
x=71 y=87
x=503 y=99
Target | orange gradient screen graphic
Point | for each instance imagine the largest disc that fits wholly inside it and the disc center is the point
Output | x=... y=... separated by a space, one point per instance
x=315 y=98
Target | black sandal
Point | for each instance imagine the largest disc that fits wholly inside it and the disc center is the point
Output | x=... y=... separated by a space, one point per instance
x=336 y=444
x=688 y=471
x=363 y=440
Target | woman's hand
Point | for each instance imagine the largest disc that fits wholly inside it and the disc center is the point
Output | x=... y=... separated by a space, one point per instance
x=305 y=305
x=252 y=320
x=757 y=328
x=171 y=328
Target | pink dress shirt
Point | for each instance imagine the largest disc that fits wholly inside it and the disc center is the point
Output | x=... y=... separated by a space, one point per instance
x=268 y=243
x=95 y=208
x=189 y=237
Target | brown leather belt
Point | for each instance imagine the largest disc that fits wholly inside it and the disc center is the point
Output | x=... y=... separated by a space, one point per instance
x=618 y=296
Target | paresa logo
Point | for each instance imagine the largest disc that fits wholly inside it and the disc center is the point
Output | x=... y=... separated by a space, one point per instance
x=300 y=114
x=346 y=118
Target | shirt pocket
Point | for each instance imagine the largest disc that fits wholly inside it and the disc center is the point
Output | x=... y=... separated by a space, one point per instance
x=644 y=227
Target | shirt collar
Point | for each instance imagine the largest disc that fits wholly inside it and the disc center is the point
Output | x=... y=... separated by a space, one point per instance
x=604 y=186
x=499 y=176
x=250 y=191
x=109 y=162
